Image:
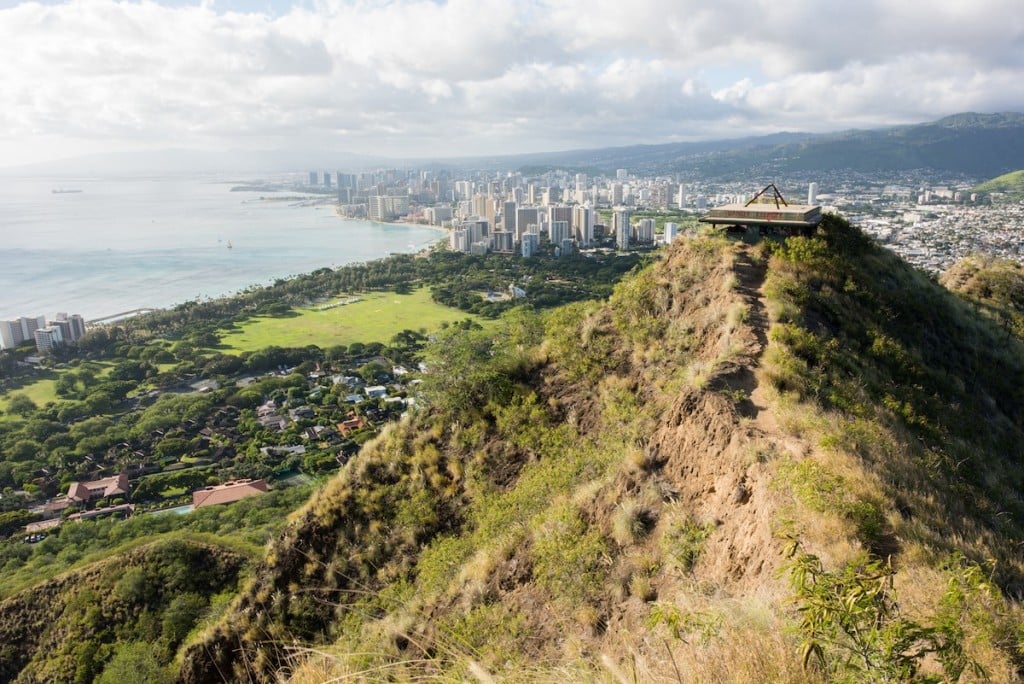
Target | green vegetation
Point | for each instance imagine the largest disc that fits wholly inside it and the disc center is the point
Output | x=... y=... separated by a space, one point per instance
x=1010 y=184
x=39 y=393
x=573 y=485
x=69 y=628
x=580 y=477
x=855 y=631
x=926 y=392
x=249 y=523
x=375 y=318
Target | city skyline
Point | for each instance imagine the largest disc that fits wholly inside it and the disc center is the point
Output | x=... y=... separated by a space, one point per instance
x=419 y=79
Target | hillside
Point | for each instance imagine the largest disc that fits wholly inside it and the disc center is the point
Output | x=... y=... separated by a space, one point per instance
x=126 y=613
x=1012 y=184
x=793 y=461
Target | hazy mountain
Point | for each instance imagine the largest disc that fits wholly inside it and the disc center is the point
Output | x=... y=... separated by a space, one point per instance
x=981 y=145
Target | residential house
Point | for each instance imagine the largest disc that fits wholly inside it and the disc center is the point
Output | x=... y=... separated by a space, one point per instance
x=97 y=489
x=229 y=492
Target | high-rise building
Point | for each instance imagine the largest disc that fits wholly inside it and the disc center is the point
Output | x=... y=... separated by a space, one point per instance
x=530 y=243
x=48 y=338
x=508 y=216
x=671 y=230
x=621 y=227
x=20 y=330
x=503 y=241
x=387 y=207
x=10 y=333
x=313 y=176
x=645 y=231
x=621 y=174
x=583 y=225
x=617 y=193
x=72 y=327
x=458 y=241
x=532 y=193
x=437 y=215
x=812 y=194
x=327 y=179
x=558 y=232
x=477 y=229
x=479 y=205
x=559 y=212
x=524 y=217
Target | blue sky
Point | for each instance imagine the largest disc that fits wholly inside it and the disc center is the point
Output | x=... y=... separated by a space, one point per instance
x=419 y=78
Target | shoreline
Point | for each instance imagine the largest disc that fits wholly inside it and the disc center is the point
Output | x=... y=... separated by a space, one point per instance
x=104 y=315
x=403 y=224
x=121 y=316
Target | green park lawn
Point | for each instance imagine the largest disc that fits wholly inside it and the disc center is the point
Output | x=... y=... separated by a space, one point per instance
x=377 y=318
x=40 y=392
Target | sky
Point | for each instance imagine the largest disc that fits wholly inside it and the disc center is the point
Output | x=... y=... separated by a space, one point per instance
x=424 y=78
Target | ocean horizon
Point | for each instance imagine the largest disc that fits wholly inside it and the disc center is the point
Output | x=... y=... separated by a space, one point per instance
x=101 y=246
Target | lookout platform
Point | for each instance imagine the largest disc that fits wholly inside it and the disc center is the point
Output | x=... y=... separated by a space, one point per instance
x=767 y=213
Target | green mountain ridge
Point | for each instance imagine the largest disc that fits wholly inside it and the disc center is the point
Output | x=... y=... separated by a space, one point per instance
x=1012 y=184
x=68 y=628
x=714 y=466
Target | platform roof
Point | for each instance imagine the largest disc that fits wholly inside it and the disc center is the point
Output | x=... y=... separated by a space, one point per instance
x=765 y=214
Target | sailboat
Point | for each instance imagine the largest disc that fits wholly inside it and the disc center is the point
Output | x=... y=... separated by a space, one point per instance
x=229 y=244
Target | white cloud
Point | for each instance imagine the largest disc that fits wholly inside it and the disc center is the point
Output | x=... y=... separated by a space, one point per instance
x=417 y=77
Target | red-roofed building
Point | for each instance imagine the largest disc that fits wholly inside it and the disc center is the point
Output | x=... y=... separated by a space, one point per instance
x=98 y=489
x=228 y=492
x=355 y=422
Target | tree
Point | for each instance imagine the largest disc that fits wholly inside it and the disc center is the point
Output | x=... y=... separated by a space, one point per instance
x=21 y=405
x=373 y=372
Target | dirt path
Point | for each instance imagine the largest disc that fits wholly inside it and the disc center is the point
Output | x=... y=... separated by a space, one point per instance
x=751 y=276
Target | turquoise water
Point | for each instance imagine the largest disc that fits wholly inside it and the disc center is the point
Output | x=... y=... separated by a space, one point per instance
x=123 y=244
x=178 y=510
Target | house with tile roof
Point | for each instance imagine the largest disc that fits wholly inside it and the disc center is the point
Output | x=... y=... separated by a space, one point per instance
x=98 y=489
x=229 y=492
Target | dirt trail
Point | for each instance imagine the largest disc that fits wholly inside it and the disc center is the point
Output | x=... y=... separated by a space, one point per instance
x=751 y=276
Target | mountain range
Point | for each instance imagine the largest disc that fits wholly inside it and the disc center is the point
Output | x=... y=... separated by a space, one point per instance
x=977 y=145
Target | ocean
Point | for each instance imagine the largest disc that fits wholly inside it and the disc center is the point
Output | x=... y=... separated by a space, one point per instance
x=129 y=243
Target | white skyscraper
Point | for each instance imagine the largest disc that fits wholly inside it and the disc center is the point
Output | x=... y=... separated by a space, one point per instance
x=583 y=225
x=47 y=338
x=13 y=333
x=812 y=194
x=671 y=230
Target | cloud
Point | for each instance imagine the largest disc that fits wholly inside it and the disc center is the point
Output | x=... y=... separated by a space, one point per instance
x=418 y=77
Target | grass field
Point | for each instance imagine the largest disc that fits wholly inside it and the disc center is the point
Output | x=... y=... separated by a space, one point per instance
x=40 y=391
x=374 y=319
